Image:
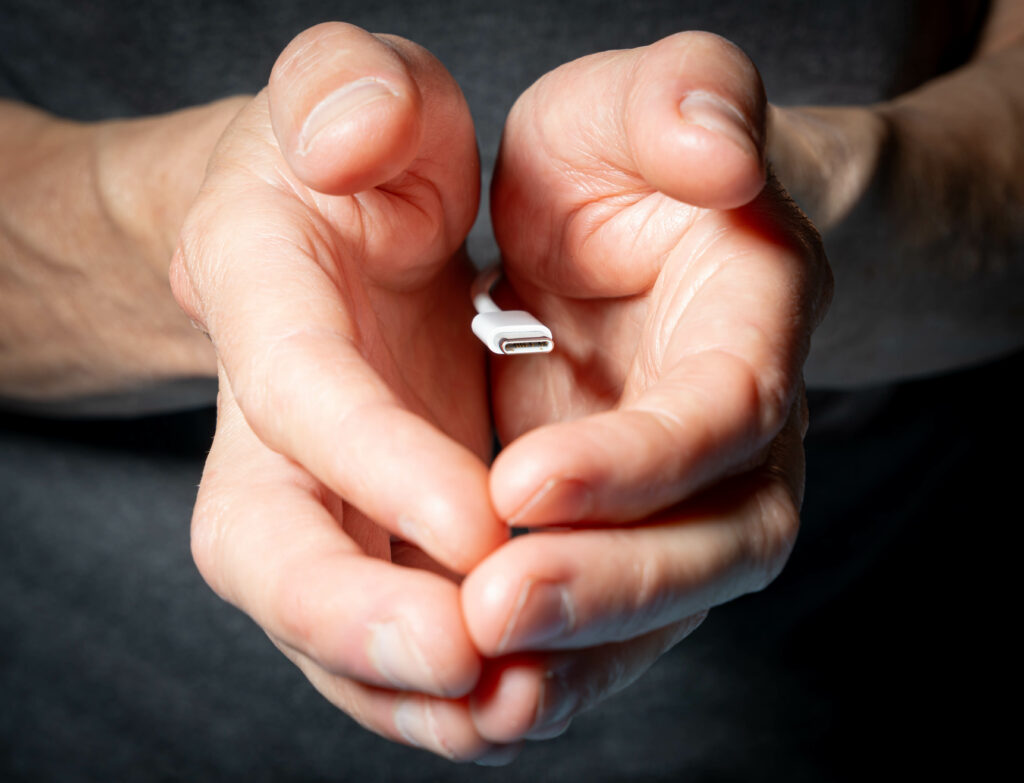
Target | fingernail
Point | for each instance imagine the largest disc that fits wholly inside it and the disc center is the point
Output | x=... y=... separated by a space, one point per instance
x=340 y=104
x=718 y=116
x=499 y=757
x=400 y=660
x=409 y=720
x=543 y=612
x=558 y=500
x=416 y=723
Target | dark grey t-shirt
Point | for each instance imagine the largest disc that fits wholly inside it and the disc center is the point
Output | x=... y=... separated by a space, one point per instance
x=869 y=652
x=92 y=59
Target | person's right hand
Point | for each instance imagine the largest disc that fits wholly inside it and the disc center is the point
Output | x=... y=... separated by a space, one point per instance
x=347 y=478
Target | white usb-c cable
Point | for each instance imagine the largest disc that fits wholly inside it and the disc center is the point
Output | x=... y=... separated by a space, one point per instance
x=505 y=331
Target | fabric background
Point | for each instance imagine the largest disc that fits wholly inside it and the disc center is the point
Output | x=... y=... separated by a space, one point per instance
x=880 y=647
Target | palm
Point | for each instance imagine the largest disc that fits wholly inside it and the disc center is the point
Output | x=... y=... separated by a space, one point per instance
x=405 y=294
x=597 y=252
x=609 y=345
x=692 y=322
x=387 y=260
x=413 y=336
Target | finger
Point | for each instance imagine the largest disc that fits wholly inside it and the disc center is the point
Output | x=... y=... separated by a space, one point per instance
x=311 y=394
x=293 y=321
x=352 y=110
x=686 y=115
x=587 y=586
x=605 y=161
x=712 y=381
x=263 y=539
x=536 y=696
x=443 y=727
x=345 y=110
x=694 y=120
x=290 y=338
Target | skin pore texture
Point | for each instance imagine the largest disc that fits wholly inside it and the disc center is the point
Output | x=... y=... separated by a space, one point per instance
x=657 y=452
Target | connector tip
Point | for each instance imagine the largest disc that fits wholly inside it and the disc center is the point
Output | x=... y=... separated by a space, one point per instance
x=526 y=345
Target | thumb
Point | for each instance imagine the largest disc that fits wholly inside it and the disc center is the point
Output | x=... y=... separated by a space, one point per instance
x=694 y=117
x=345 y=110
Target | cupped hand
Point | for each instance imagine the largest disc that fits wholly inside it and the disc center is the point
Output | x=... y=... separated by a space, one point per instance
x=347 y=481
x=659 y=446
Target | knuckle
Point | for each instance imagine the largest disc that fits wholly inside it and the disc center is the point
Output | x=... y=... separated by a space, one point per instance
x=795 y=231
x=676 y=632
x=207 y=535
x=747 y=413
x=775 y=393
x=706 y=45
x=654 y=594
x=557 y=697
x=761 y=382
x=307 y=48
x=764 y=377
x=354 y=701
x=291 y=614
x=269 y=382
x=593 y=679
x=182 y=289
x=193 y=266
x=290 y=607
x=772 y=532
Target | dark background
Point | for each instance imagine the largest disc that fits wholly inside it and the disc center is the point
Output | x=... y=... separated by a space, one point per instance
x=883 y=647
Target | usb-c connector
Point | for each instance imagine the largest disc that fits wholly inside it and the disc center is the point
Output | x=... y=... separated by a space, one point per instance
x=506 y=331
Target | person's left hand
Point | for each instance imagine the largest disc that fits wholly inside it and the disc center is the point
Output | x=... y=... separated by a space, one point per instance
x=663 y=435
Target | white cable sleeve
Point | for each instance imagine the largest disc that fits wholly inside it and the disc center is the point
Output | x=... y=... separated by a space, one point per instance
x=505 y=331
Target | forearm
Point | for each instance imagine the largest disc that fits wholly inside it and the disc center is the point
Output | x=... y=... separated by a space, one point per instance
x=89 y=214
x=921 y=202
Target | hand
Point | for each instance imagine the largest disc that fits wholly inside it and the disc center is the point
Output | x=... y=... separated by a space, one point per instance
x=323 y=258
x=663 y=436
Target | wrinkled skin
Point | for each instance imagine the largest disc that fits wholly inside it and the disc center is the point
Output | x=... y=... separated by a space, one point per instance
x=661 y=439
x=682 y=291
x=347 y=480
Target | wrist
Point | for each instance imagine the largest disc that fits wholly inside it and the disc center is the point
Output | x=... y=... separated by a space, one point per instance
x=149 y=170
x=99 y=204
x=826 y=157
